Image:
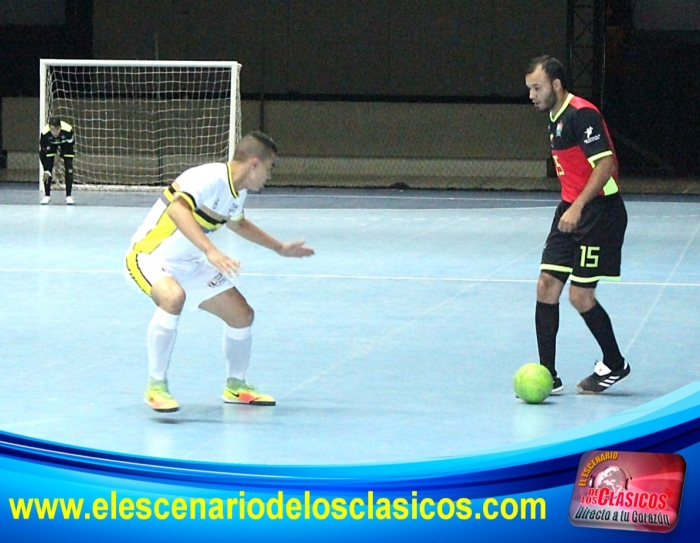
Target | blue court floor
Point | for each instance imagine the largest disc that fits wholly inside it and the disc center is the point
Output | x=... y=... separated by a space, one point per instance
x=396 y=342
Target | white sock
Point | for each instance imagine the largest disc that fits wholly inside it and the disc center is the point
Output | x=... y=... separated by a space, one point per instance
x=237 y=344
x=160 y=339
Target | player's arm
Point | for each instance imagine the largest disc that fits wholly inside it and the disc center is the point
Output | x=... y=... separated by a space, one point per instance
x=249 y=231
x=46 y=161
x=180 y=212
x=603 y=169
x=595 y=145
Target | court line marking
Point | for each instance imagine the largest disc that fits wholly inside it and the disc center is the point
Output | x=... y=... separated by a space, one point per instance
x=415 y=197
x=401 y=209
x=663 y=289
x=374 y=277
x=361 y=350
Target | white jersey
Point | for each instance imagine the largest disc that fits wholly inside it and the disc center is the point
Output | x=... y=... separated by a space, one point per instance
x=209 y=191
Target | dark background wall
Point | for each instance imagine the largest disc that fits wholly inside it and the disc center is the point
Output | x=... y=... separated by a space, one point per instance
x=389 y=50
x=34 y=29
x=343 y=47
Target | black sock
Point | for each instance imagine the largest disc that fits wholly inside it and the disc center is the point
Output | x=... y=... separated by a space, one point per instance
x=47 y=188
x=598 y=322
x=69 y=186
x=68 y=162
x=546 y=327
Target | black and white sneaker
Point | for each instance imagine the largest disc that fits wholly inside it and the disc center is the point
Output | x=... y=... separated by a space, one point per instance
x=557 y=386
x=602 y=378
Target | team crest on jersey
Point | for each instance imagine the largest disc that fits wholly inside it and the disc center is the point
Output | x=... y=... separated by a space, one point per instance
x=560 y=128
x=590 y=138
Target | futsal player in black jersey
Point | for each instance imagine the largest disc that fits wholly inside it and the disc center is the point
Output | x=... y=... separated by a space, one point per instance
x=588 y=230
x=57 y=138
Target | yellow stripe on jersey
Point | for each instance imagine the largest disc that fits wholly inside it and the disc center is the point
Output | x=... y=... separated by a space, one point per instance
x=562 y=108
x=164 y=228
x=174 y=191
x=190 y=201
x=611 y=186
x=578 y=279
x=554 y=267
x=592 y=159
x=206 y=222
x=230 y=180
x=237 y=218
x=133 y=266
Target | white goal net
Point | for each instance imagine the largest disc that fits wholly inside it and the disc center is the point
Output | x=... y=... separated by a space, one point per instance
x=141 y=123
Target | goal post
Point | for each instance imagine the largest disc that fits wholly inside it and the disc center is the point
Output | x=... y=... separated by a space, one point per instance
x=141 y=123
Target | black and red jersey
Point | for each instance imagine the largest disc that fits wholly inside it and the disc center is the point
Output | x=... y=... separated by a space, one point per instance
x=578 y=137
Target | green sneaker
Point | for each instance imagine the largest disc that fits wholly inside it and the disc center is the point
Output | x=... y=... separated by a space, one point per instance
x=158 y=397
x=238 y=391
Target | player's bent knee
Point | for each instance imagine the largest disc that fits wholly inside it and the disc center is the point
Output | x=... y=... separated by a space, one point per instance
x=169 y=295
x=583 y=299
x=243 y=313
x=239 y=317
x=249 y=316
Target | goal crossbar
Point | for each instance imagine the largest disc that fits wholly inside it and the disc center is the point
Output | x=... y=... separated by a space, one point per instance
x=141 y=122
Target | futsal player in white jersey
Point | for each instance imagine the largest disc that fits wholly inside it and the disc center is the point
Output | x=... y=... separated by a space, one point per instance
x=173 y=260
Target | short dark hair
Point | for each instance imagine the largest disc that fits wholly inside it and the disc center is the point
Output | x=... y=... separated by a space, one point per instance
x=55 y=121
x=552 y=67
x=255 y=144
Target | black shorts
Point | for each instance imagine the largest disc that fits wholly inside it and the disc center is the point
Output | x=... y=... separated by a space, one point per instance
x=64 y=150
x=594 y=250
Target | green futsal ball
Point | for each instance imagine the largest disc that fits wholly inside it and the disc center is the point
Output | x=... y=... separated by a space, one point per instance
x=532 y=383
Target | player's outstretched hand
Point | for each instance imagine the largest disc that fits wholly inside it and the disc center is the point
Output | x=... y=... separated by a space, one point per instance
x=225 y=264
x=296 y=249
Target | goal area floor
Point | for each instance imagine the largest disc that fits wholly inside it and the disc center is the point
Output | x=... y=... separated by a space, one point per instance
x=397 y=342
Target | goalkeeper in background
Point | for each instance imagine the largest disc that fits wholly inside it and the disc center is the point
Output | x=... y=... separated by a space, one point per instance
x=57 y=138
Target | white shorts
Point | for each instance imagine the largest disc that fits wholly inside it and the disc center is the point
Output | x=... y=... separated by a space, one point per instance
x=200 y=280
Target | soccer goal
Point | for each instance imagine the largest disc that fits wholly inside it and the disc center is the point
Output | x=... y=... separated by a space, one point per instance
x=141 y=123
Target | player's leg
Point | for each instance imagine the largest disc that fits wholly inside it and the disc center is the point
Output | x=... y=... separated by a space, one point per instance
x=554 y=272
x=47 y=162
x=169 y=298
x=599 y=257
x=613 y=368
x=549 y=288
x=68 y=164
x=151 y=277
x=231 y=307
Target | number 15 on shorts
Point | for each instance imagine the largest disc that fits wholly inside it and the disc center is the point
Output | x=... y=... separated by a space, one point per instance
x=589 y=256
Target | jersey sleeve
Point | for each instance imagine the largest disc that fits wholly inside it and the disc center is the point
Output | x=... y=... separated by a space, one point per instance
x=238 y=213
x=591 y=135
x=197 y=187
x=43 y=143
